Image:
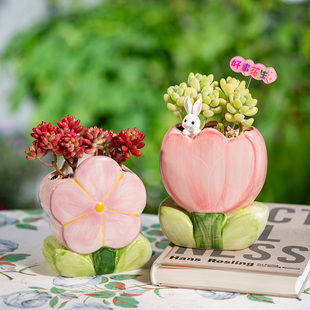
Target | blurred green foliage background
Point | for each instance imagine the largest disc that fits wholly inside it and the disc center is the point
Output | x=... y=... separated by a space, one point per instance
x=110 y=65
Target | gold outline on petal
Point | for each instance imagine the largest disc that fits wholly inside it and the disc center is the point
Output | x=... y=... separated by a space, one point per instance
x=102 y=234
x=84 y=190
x=78 y=218
x=109 y=193
x=123 y=212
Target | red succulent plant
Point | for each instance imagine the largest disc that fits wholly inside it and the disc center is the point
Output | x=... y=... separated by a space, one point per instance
x=96 y=140
x=129 y=142
x=67 y=139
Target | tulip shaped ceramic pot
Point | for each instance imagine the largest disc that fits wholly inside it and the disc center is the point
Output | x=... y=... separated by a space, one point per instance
x=95 y=219
x=213 y=181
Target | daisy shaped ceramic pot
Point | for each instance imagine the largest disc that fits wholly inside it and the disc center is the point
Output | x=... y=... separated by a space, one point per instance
x=95 y=219
x=213 y=181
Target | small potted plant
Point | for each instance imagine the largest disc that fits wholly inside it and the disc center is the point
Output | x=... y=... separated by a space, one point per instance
x=213 y=165
x=93 y=201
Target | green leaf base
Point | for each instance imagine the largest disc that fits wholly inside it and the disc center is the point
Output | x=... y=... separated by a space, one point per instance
x=235 y=230
x=106 y=260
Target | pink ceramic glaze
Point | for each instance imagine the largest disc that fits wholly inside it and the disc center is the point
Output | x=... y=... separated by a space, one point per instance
x=210 y=173
x=100 y=206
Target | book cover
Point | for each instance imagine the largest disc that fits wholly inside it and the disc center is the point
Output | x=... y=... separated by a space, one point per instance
x=276 y=264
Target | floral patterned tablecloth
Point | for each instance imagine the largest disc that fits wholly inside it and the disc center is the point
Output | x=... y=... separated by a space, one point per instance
x=26 y=281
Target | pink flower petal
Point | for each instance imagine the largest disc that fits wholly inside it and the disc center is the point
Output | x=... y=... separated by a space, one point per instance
x=128 y=196
x=56 y=228
x=85 y=234
x=238 y=190
x=69 y=201
x=46 y=188
x=120 y=229
x=98 y=175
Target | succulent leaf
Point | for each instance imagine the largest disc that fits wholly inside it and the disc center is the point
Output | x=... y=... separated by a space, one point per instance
x=251 y=112
x=171 y=107
x=230 y=108
x=247 y=122
x=180 y=101
x=195 y=84
x=208 y=113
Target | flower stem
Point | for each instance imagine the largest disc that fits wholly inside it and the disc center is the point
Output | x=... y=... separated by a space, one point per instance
x=57 y=169
x=55 y=157
x=68 y=162
x=75 y=161
x=249 y=81
x=45 y=164
x=224 y=130
x=72 y=164
x=182 y=115
x=203 y=123
x=240 y=129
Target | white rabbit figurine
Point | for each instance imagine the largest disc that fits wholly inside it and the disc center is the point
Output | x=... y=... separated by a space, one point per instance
x=191 y=122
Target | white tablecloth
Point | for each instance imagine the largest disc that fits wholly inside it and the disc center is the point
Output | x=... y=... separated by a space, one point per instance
x=26 y=280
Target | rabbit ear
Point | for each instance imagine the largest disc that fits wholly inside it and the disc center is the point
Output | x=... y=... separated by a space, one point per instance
x=197 y=107
x=188 y=105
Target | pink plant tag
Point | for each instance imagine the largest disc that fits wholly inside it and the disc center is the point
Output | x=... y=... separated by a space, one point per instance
x=249 y=68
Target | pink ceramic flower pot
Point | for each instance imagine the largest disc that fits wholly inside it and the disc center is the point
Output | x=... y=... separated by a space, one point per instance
x=99 y=206
x=210 y=173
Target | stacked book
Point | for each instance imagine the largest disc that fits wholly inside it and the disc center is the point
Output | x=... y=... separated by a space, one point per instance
x=276 y=264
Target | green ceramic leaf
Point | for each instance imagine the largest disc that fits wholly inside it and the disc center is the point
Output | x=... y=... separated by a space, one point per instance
x=176 y=224
x=244 y=226
x=208 y=229
x=66 y=262
x=70 y=264
x=105 y=260
x=134 y=255
x=232 y=231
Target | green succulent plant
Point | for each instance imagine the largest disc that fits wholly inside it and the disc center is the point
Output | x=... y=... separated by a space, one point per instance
x=239 y=102
x=229 y=103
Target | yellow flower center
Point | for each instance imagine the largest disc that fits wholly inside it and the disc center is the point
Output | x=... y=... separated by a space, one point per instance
x=100 y=207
